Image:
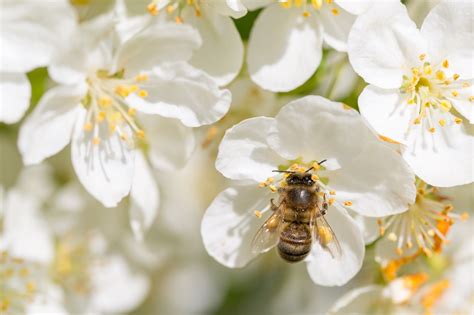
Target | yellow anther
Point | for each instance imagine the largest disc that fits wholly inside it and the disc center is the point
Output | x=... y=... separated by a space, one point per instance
x=433 y=294
x=101 y=116
x=432 y=130
x=30 y=287
x=427 y=69
x=314 y=177
x=454 y=93
x=294 y=166
x=270 y=180
x=262 y=184
x=464 y=216
x=411 y=101
x=440 y=75
x=324 y=234
x=306 y=14
x=88 y=126
x=273 y=188
x=399 y=251
x=131 y=111
x=258 y=214
x=152 y=8
x=466 y=84
x=122 y=90
x=392 y=237
x=178 y=20
x=458 y=120
x=335 y=11
x=286 y=4
x=389 y=140
x=4 y=304
x=142 y=93
x=317 y=4
x=123 y=137
x=140 y=134
x=24 y=272
x=445 y=105
x=417 y=121
x=321 y=194
x=456 y=76
x=347 y=203
x=316 y=166
x=169 y=9
x=422 y=57
x=105 y=101
x=415 y=71
x=471 y=98
x=331 y=201
x=332 y=192
x=442 y=122
x=141 y=78
x=96 y=140
x=133 y=88
x=445 y=63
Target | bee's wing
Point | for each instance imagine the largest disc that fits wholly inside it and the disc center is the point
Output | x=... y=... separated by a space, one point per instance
x=269 y=233
x=324 y=235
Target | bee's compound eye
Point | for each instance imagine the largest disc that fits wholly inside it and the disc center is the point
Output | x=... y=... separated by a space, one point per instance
x=308 y=180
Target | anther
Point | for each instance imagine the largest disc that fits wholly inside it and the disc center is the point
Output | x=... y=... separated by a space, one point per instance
x=87 y=126
x=458 y=120
x=335 y=11
x=273 y=188
x=445 y=63
x=432 y=130
x=455 y=76
x=455 y=93
x=347 y=203
x=140 y=134
x=258 y=214
x=142 y=93
x=96 y=140
x=152 y=8
x=442 y=122
x=422 y=57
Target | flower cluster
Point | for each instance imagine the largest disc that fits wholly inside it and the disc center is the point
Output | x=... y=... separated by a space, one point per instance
x=141 y=138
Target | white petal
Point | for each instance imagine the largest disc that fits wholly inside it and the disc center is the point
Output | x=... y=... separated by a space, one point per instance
x=255 y=4
x=357 y=301
x=387 y=112
x=49 y=127
x=368 y=227
x=106 y=169
x=233 y=8
x=244 y=153
x=461 y=102
x=170 y=42
x=355 y=6
x=25 y=232
x=222 y=52
x=328 y=271
x=116 y=289
x=30 y=31
x=443 y=158
x=171 y=143
x=229 y=224
x=336 y=27
x=395 y=44
x=285 y=48
x=448 y=30
x=144 y=197
x=315 y=128
x=15 y=93
x=180 y=91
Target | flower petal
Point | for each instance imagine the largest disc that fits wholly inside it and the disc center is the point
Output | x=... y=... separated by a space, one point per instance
x=443 y=158
x=355 y=6
x=15 y=91
x=395 y=45
x=358 y=301
x=222 y=52
x=387 y=112
x=368 y=226
x=105 y=169
x=49 y=127
x=448 y=31
x=229 y=224
x=244 y=153
x=233 y=8
x=171 y=143
x=30 y=32
x=336 y=27
x=463 y=101
x=284 y=49
x=255 y=4
x=328 y=271
x=180 y=91
x=171 y=42
x=144 y=197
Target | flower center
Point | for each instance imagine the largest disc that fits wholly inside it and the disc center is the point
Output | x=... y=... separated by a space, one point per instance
x=17 y=286
x=175 y=8
x=430 y=89
x=106 y=107
x=314 y=5
x=424 y=225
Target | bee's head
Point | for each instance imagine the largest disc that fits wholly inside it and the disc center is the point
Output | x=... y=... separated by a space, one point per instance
x=300 y=179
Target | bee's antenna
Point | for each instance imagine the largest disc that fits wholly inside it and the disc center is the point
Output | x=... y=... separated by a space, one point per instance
x=322 y=161
x=309 y=169
x=288 y=172
x=312 y=167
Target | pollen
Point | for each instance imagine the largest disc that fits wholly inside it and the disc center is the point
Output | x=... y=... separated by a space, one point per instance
x=440 y=75
x=324 y=234
x=132 y=111
x=105 y=101
x=471 y=98
x=455 y=93
x=316 y=166
x=315 y=177
x=427 y=69
x=273 y=188
x=331 y=201
x=88 y=126
x=445 y=105
x=141 y=78
x=422 y=57
x=432 y=129
x=152 y=8
x=140 y=134
x=317 y=4
x=142 y=93
x=133 y=88
x=455 y=76
x=96 y=140
x=178 y=20
x=332 y=192
x=335 y=11
x=347 y=203
x=442 y=122
x=445 y=63
x=258 y=214
x=122 y=90
x=458 y=120
x=434 y=293
x=101 y=116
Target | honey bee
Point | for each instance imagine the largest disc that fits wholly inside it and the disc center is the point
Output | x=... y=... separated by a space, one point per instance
x=297 y=221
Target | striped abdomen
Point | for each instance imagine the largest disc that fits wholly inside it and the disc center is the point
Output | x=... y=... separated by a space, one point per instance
x=295 y=242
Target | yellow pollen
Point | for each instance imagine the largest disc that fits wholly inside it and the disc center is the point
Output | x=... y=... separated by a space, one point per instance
x=464 y=216
x=427 y=69
x=87 y=126
x=141 y=78
x=316 y=166
x=122 y=90
x=258 y=214
x=169 y=9
x=132 y=111
x=197 y=12
x=471 y=98
x=440 y=75
x=4 y=304
x=321 y=194
x=458 y=120
x=455 y=93
x=455 y=76
x=331 y=201
x=411 y=101
x=434 y=293
x=332 y=192
x=417 y=121
x=445 y=63
x=105 y=101
x=432 y=130
x=347 y=203
x=140 y=134
x=123 y=137
x=314 y=177
x=142 y=93
x=392 y=237
x=30 y=287
x=422 y=57
x=324 y=234
x=273 y=188
x=270 y=180
x=101 y=116
x=306 y=14
x=152 y=8
x=445 y=105
x=178 y=20
x=335 y=11
x=96 y=140
x=133 y=88
x=317 y=4
x=294 y=166
x=414 y=281
x=466 y=84
x=262 y=184
x=442 y=122
x=286 y=4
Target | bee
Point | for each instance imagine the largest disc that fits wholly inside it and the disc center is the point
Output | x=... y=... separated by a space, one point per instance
x=297 y=221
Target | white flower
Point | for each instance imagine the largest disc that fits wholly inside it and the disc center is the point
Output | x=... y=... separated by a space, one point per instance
x=361 y=173
x=106 y=89
x=285 y=45
x=419 y=81
x=29 y=33
x=222 y=52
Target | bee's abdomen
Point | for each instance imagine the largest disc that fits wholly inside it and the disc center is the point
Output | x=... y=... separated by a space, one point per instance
x=295 y=242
